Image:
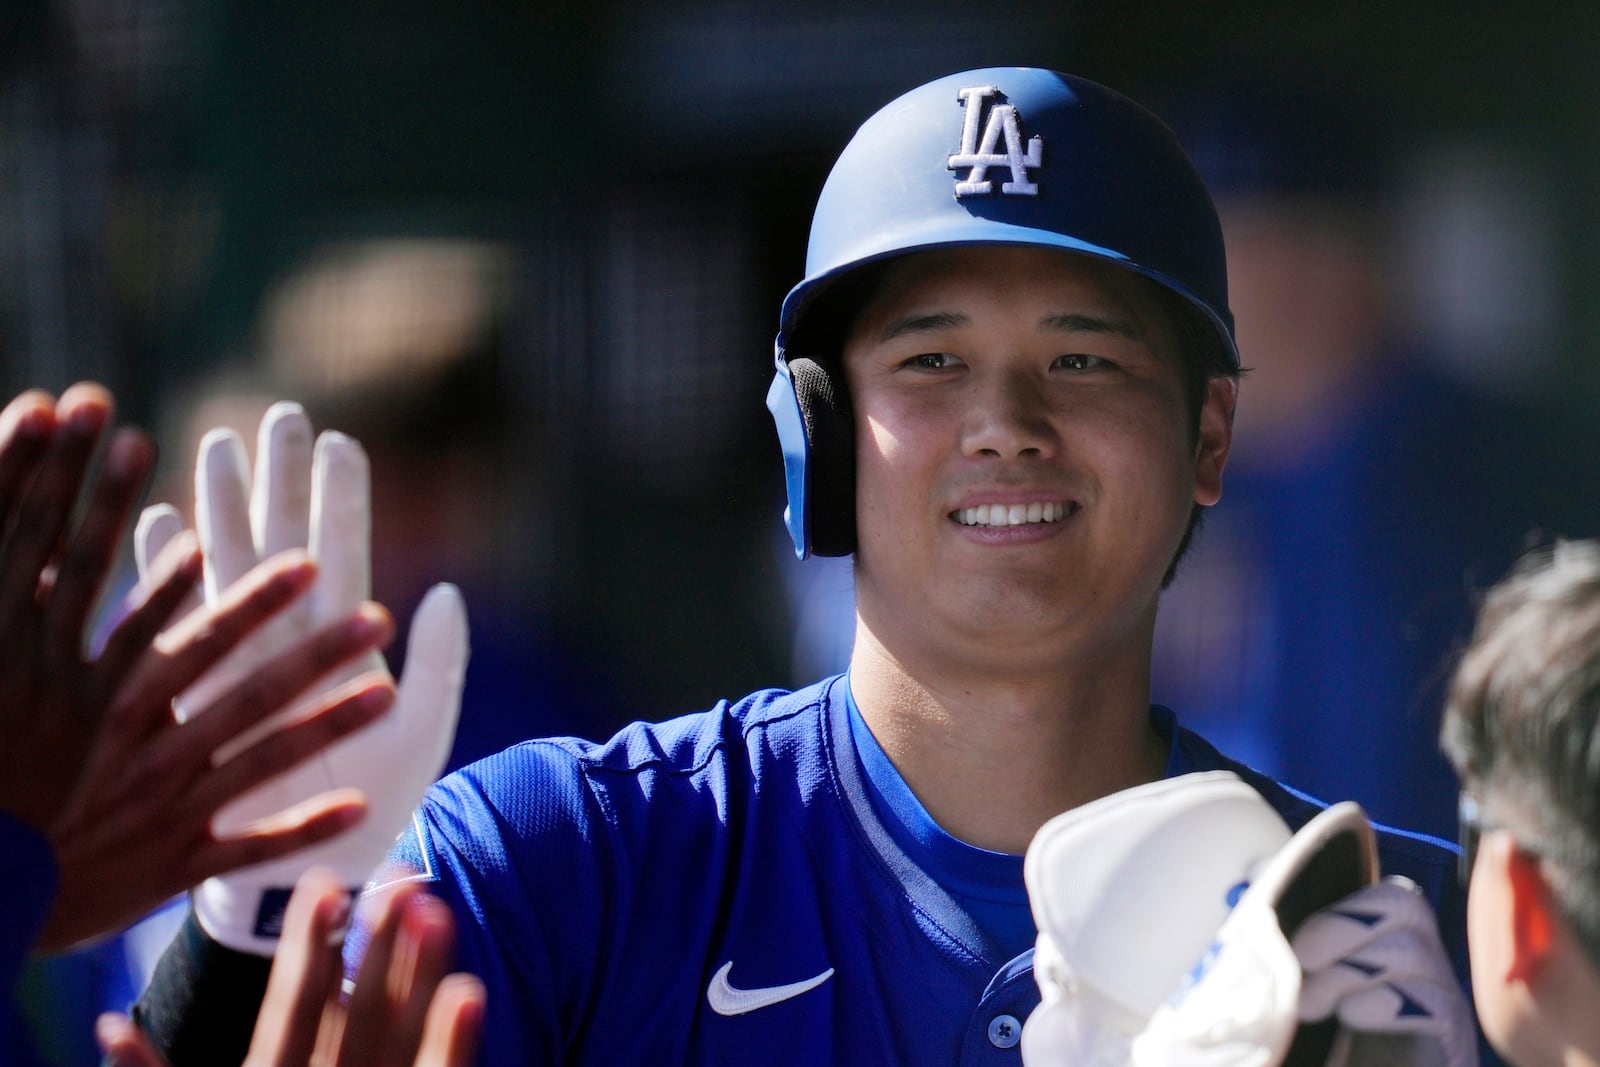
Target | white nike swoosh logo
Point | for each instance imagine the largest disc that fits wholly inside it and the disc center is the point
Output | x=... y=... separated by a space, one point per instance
x=726 y=1000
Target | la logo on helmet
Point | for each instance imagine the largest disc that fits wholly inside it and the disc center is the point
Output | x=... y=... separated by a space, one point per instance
x=978 y=158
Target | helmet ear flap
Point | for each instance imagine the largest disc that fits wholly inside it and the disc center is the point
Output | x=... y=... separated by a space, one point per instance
x=830 y=431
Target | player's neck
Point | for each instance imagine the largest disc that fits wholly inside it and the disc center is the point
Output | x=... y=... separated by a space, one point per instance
x=991 y=760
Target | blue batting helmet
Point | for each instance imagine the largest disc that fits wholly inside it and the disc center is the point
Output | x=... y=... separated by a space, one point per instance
x=1006 y=155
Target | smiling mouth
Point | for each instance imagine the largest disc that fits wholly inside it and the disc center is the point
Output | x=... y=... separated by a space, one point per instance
x=1013 y=514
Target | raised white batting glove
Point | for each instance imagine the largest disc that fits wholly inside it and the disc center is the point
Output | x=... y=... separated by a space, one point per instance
x=313 y=497
x=1375 y=962
x=1127 y=891
x=1238 y=1005
x=1319 y=965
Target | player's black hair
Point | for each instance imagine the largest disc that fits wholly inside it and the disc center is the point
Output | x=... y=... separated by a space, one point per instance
x=1204 y=360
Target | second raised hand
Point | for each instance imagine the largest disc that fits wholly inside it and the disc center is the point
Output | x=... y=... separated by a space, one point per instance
x=313 y=494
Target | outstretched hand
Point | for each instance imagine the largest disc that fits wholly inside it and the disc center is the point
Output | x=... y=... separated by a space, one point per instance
x=52 y=694
x=311 y=496
x=404 y=1008
x=95 y=760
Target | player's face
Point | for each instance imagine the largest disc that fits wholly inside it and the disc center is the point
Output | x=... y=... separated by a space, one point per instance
x=1025 y=459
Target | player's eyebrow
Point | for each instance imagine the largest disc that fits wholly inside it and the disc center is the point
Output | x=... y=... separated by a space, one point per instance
x=1076 y=322
x=1061 y=322
x=924 y=323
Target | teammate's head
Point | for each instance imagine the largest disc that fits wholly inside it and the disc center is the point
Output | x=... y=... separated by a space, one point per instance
x=1522 y=727
x=1000 y=156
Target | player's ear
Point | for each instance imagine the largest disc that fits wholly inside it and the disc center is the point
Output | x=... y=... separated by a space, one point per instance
x=1533 y=914
x=1214 y=440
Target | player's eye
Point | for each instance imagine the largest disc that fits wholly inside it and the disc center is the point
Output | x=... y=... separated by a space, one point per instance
x=1079 y=361
x=933 y=361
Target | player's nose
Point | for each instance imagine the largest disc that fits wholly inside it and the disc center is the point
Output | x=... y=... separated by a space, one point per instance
x=1008 y=417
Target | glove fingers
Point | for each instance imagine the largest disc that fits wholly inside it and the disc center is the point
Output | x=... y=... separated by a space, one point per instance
x=1322 y=993
x=222 y=510
x=1402 y=1006
x=1386 y=1003
x=158 y=525
x=341 y=524
x=1363 y=918
x=437 y=645
x=412 y=744
x=273 y=795
x=280 y=501
x=1389 y=987
x=429 y=700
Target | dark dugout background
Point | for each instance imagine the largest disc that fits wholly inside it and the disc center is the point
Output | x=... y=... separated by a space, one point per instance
x=533 y=255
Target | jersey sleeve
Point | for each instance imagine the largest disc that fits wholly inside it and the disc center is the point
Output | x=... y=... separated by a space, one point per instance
x=517 y=845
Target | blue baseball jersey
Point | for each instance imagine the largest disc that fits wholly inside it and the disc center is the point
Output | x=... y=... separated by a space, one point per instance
x=731 y=887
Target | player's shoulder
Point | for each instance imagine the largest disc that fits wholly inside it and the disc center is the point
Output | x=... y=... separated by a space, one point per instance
x=1427 y=860
x=686 y=744
x=532 y=782
x=567 y=800
x=681 y=739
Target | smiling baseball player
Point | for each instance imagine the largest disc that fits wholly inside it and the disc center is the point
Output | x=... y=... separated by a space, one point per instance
x=1005 y=386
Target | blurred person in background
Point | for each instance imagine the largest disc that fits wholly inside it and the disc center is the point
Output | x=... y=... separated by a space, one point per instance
x=1368 y=492
x=400 y=344
x=1522 y=728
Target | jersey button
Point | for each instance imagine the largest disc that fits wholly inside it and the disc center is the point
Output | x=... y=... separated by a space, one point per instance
x=1004 y=1031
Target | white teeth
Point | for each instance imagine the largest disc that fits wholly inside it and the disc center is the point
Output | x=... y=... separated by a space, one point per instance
x=1011 y=514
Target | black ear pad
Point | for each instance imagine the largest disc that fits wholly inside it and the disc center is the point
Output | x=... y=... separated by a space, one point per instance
x=830 y=431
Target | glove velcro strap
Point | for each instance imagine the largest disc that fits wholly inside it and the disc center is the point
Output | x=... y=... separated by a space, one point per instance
x=243 y=918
